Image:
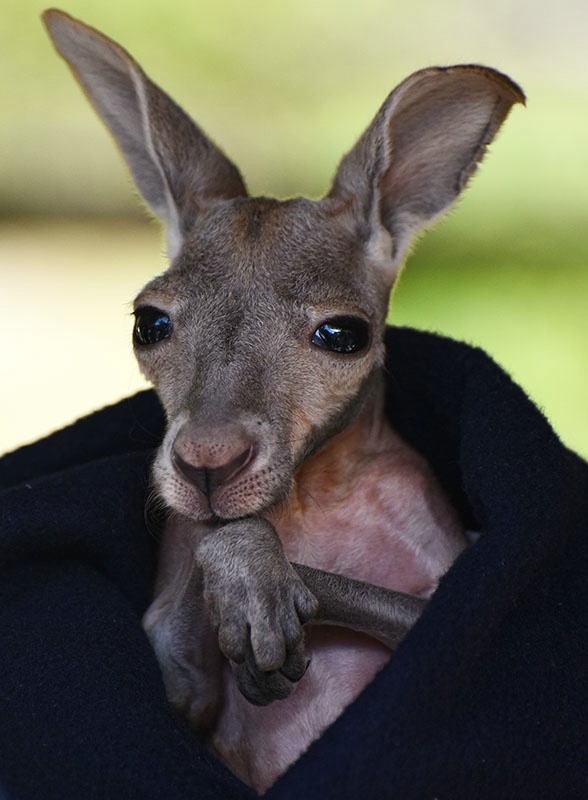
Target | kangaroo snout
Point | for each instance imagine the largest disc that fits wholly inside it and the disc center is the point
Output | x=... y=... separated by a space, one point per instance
x=223 y=467
x=214 y=459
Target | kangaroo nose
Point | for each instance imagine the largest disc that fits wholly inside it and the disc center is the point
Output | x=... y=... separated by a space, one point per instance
x=208 y=478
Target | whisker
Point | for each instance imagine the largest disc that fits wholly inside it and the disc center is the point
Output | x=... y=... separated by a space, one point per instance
x=282 y=442
x=309 y=494
x=155 y=513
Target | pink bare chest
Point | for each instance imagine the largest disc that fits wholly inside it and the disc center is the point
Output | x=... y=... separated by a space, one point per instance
x=392 y=527
x=389 y=524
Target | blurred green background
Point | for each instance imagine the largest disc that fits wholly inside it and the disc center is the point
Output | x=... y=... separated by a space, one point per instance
x=285 y=88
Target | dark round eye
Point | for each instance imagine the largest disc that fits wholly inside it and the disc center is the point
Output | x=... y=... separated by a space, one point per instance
x=151 y=326
x=342 y=335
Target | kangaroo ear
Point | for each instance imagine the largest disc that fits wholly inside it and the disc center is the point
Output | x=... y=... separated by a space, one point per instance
x=175 y=167
x=421 y=149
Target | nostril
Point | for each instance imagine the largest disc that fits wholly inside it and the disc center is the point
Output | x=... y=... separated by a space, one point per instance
x=208 y=479
x=196 y=475
x=223 y=474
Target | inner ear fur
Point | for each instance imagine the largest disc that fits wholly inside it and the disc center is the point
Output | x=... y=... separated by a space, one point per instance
x=174 y=165
x=422 y=147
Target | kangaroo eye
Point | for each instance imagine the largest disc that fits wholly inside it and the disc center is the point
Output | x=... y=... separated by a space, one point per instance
x=342 y=335
x=151 y=326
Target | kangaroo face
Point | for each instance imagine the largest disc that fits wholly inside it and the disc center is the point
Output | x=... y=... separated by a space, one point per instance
x=263 y=340
x=264 y=337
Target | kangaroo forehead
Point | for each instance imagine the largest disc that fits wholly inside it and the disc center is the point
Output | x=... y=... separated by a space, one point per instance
x=291 y=244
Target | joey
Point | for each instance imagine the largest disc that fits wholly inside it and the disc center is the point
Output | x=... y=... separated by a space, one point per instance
x=292 y=500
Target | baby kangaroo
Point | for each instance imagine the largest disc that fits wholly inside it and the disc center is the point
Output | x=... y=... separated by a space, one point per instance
x=291 y=498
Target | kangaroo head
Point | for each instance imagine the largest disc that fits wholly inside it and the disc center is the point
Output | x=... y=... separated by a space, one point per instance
x=264 y=338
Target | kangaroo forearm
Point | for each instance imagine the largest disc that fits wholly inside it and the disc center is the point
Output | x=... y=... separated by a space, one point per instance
x=382 y=613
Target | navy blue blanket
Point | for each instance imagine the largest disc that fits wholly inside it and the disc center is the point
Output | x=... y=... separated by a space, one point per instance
x=486 y=698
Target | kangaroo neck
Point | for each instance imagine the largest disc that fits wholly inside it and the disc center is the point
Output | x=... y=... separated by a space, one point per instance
x=332 y=472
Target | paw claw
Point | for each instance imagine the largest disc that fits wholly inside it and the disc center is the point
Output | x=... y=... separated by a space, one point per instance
x=296 y=667
x=262 y=688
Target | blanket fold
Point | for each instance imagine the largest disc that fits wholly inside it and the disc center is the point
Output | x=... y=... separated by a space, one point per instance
x=487 y=697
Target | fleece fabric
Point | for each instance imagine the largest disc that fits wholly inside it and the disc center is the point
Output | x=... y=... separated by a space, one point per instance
x=487 y=697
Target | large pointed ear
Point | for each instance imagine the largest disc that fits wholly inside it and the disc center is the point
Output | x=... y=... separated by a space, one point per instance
x=421 y=149
x=175 y=167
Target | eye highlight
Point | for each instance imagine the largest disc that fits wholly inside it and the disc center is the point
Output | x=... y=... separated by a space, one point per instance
x=345 y=335
x=151 y=326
